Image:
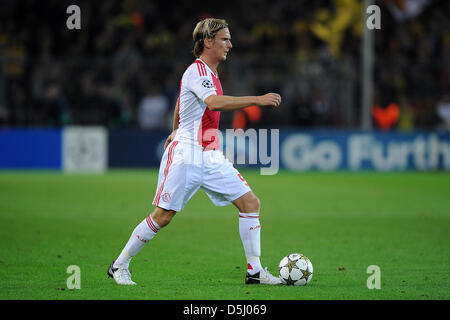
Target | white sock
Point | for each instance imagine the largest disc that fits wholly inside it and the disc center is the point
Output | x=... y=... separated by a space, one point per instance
x=250 y=231
x=142 y=234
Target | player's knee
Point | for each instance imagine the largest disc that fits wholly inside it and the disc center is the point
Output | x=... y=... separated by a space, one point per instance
x=256 y=203
x=252 y=204
x=164 y=220
x=162 y=217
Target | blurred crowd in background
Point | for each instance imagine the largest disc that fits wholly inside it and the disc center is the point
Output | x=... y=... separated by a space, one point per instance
x=123 y=67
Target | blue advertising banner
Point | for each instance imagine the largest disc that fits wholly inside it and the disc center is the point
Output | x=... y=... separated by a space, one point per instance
x=269 y=150
x=30 y=149
x=302 y=150
x=135 y=149
x=328 y=150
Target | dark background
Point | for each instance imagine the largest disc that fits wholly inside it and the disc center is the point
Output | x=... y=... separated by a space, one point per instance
x=122 y=69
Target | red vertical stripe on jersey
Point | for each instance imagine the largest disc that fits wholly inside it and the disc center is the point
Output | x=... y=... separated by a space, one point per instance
x=204 y=70
x=201 y=68
x=199 y=71
x=166 y=172
x=217 y=84
x=207 y=134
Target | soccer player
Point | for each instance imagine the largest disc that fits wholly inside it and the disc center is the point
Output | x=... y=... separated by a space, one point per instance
x=192 y=158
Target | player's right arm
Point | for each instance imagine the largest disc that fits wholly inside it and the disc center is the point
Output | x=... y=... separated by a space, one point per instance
x=175 y=115
x=225 y=103
x=202 y=85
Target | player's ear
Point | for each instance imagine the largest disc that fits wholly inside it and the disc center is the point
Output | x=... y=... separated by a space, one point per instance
x=208 y=42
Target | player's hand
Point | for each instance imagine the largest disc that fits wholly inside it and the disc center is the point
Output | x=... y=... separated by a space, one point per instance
x=270 y=99
x=169 y=139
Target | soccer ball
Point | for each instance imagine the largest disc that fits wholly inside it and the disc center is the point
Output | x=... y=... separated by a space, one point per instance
x=295 y=270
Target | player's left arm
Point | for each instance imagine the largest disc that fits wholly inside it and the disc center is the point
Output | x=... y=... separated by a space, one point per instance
x=174 y=124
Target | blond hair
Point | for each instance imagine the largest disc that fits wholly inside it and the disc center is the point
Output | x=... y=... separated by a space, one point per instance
x=206 y=28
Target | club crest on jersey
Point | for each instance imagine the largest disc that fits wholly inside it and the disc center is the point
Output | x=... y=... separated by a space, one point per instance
x=166 y=196
x=207 y=84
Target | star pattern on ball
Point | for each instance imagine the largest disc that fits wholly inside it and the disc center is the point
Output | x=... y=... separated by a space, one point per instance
x=291 y=264
x=305 y=274
x=289 y=281
x=304 y=258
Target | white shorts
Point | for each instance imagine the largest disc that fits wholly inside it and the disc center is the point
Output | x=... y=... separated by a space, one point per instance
x=185 y=168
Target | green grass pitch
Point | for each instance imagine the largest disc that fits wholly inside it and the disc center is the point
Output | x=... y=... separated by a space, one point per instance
x=344 y=222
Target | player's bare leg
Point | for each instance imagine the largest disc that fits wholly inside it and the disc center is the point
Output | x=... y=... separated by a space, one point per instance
x=142 y=234
x=248 y=203
x=250 y=231
x=162 y=216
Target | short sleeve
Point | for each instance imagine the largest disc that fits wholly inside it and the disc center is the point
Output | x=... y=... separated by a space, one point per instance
x=201 y=85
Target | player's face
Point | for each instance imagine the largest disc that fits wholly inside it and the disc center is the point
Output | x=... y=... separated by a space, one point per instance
x=222 y=44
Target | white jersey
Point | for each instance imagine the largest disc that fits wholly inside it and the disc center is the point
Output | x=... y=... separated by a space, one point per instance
x=192 y=160
x=197 y=125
